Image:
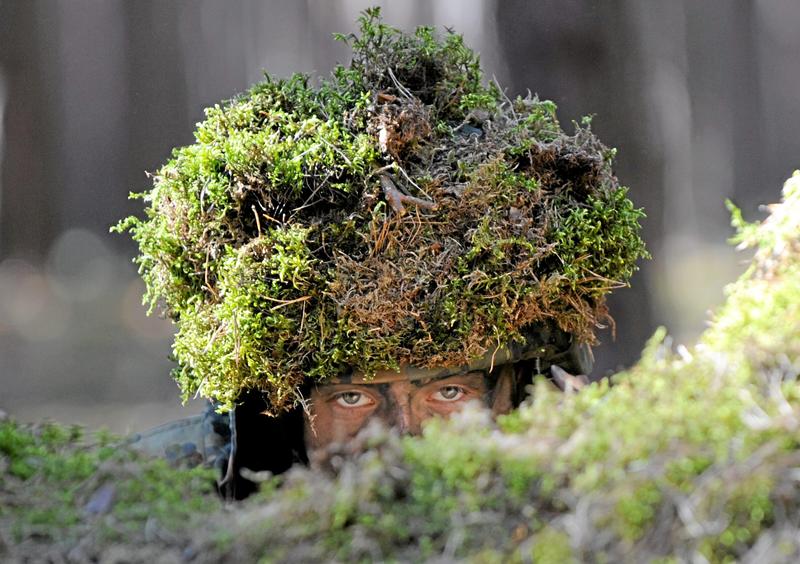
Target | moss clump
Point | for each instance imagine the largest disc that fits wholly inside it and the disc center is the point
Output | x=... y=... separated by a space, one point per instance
x=689 y=456
x=399 y=212
x=65 y=495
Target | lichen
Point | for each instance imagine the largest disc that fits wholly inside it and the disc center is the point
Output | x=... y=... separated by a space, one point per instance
x=400 y=212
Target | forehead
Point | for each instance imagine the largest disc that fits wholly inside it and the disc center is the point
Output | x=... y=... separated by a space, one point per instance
x=394 y=377
x=405 y=374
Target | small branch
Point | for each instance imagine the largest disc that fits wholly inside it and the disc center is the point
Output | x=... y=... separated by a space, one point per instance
x=284 y=303
x=337 y=149
x=414 y=184
x=403 y=90
x=258 y=221
x=396 y=198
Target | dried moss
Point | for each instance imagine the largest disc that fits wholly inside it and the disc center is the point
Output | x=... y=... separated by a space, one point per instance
x=400 y=212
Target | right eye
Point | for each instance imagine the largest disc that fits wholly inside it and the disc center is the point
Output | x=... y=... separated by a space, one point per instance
x=352 y=399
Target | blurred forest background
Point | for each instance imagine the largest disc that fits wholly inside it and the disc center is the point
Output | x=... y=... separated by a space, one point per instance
x=700 y=98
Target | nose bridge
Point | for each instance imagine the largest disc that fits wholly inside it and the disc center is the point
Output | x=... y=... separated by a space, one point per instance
x=402 y=417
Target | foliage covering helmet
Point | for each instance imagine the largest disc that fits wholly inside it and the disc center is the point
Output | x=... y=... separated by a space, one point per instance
x=400 y=213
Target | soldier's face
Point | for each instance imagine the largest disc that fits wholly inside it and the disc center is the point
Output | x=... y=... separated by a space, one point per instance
x=337 y=412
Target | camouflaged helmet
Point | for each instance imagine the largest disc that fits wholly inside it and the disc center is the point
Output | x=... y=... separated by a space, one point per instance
x=400 y=215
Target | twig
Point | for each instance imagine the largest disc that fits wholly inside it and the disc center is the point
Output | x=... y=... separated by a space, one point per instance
x=414 y=184
x=284 y=303
x=381 y=238
x=503 y=92
x=308 y=203
x=377 y=171
x=396 y=198
x=403 y=90
x=258 y=221
x=205 y=276
x=237 y=344
x=337 y=149
x=565 y=381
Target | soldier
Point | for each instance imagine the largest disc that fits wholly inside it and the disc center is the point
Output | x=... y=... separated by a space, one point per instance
x=390 y=245
x=246 y=441
x=406 y=398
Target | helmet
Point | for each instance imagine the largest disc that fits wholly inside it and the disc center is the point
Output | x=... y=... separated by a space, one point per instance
x=549 y=351
x=400 y=214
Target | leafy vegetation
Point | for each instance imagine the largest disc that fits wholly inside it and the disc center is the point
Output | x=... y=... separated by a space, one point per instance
x=402 y=212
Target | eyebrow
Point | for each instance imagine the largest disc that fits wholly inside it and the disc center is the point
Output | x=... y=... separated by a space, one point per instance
x=386 y=376
x=418 y=383
x=469 y=376
x=466 y=375
x=388 y=400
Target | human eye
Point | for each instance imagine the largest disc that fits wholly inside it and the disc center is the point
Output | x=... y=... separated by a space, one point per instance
x=449 y=393
x=352 y=399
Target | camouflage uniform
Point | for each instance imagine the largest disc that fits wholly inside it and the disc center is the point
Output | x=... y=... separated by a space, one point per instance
x=200 y=439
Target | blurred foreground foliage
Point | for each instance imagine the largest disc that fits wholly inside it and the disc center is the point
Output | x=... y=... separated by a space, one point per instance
x=691 y=455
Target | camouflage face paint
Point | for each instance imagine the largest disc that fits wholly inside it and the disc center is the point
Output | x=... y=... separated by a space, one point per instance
x=338 y=411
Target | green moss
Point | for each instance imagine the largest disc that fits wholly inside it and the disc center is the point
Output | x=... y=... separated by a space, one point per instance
x=636 y=510
x=689 y=455
x=768 y=291
x=552 y=547
x=271 y=242
x=60 y=487
x=594 y=241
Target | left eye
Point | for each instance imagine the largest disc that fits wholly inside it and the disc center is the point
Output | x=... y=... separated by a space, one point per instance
x=352 y=399
x=449 y=393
